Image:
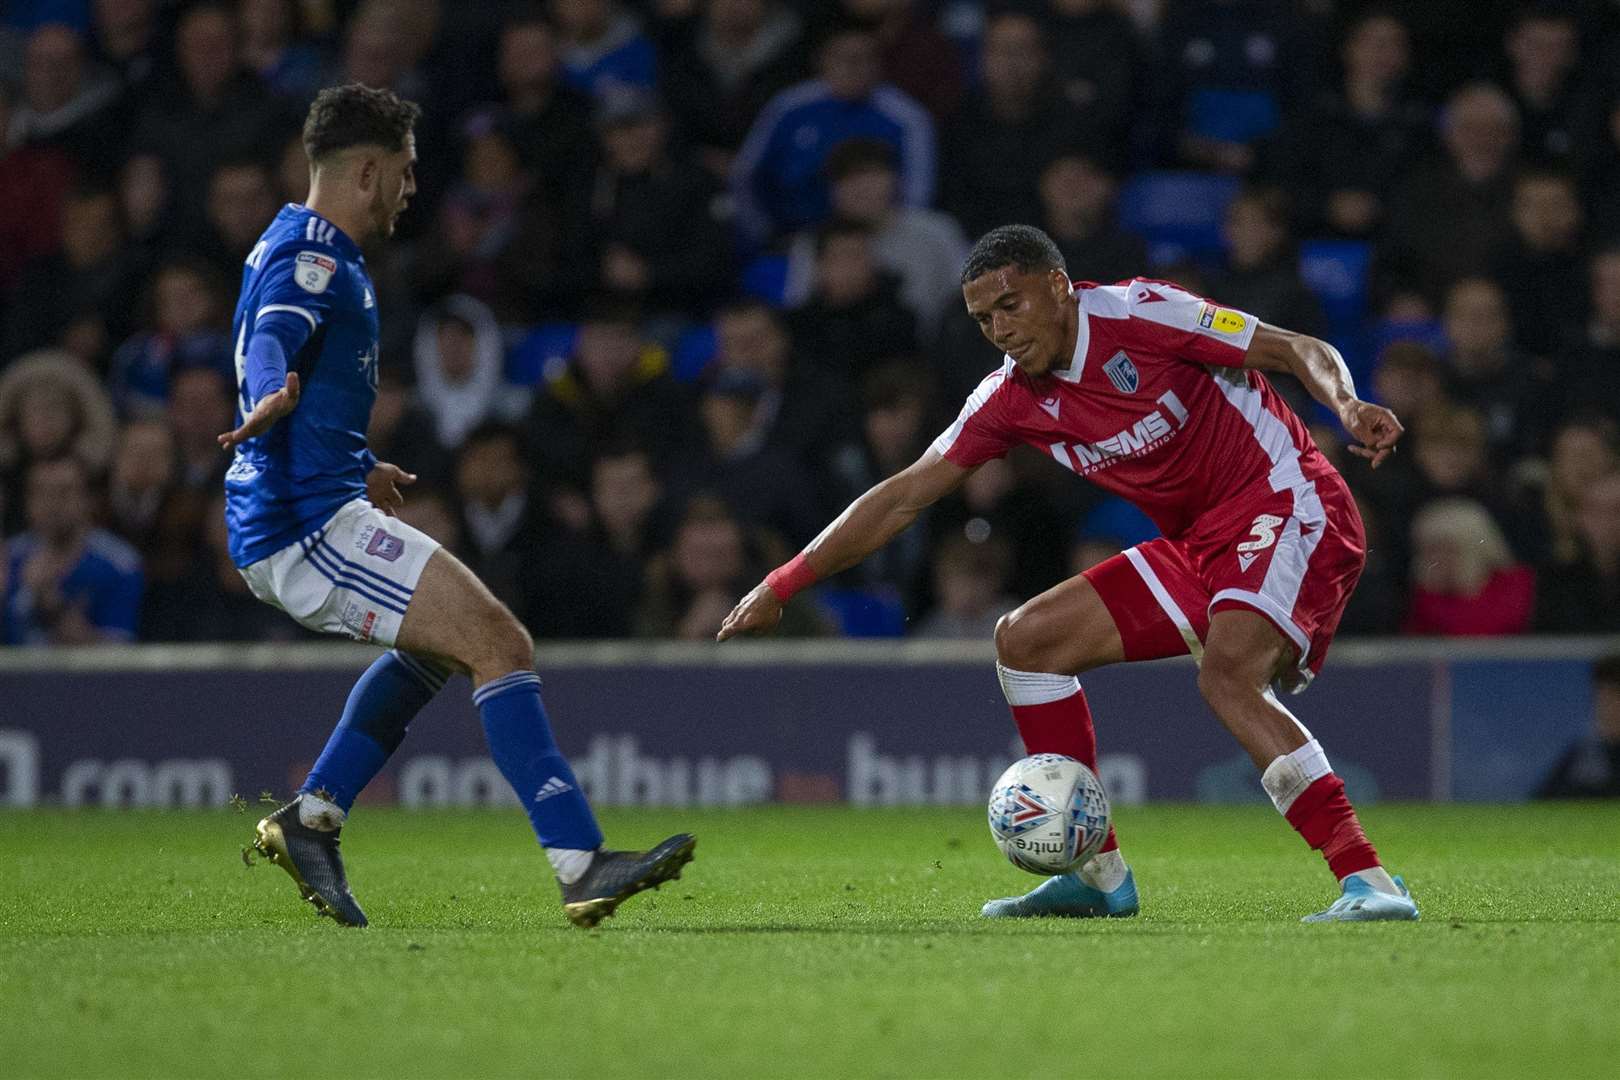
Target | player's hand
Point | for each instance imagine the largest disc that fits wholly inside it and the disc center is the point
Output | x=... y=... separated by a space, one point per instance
x=755 y=613
x=1374 y=427
x=382 y=486
x=271 y=407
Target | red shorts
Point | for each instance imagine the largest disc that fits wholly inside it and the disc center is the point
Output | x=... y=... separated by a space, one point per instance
x=1293 y=556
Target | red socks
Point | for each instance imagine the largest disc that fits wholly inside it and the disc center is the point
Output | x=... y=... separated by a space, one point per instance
x=1327 y=821
x=1062 y=727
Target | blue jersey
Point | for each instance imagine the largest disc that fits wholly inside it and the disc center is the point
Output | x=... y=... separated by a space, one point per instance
x=285 y=483
x=105 y=584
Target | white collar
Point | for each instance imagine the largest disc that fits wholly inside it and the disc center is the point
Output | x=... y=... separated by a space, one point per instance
x=1082 y=341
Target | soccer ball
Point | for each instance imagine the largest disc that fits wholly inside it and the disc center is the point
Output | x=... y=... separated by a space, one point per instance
x=1048 y=814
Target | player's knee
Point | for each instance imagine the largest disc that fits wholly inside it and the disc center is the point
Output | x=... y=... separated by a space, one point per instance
x=515 y=645
x=1225 y=683
x=1013 y=641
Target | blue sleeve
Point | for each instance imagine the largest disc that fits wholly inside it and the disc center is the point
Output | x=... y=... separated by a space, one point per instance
x=277 y=337
x=116 y=606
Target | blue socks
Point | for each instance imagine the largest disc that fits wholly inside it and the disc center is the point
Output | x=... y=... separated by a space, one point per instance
x=380 y=707
x=521 y=743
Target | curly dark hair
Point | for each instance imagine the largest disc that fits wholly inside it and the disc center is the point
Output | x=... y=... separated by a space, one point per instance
x=354 y=115
x=1023 y=246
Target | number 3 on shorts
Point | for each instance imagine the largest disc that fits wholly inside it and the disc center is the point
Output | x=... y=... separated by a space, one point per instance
x=1262 y=534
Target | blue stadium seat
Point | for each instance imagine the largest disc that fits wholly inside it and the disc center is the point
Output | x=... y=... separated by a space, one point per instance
x=1178 y=213
x=1336 y=271
x=693 y=351
x=765 y=277
x=1116 y=519
x=864 y=613
x=546 y=344
x=1239 y=116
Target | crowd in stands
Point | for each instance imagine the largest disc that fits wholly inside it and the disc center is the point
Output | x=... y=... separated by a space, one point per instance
x=681 y=280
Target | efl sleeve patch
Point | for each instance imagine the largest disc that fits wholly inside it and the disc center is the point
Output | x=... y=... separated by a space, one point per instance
x=313 y=271
x=1221 y=320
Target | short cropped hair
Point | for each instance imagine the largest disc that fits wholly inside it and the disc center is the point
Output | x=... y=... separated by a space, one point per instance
x=354 y=115
x=1023 y=246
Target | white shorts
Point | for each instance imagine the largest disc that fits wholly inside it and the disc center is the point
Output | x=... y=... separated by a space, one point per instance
x=355 y=575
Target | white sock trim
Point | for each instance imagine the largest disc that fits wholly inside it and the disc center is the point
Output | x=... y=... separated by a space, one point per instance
x=1033 y=687
x=315 y=812
x=570 y=864
x=1104 y=872
x=1286 y=778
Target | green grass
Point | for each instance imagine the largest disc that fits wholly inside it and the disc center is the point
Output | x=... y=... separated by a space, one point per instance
x=808 y=942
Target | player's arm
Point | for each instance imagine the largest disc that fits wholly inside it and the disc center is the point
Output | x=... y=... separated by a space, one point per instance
x=868 y=523
x=1322 y=371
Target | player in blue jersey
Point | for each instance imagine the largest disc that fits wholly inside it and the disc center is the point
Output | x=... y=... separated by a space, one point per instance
x=312 y=529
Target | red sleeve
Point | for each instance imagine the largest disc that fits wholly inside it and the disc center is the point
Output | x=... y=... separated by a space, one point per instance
x=1165 y=318
x=979 y=432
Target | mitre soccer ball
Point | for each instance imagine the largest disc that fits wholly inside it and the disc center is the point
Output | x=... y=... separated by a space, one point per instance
x=1048 y=814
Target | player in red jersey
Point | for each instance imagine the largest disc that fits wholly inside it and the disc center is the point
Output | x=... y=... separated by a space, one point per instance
x=1157 y=395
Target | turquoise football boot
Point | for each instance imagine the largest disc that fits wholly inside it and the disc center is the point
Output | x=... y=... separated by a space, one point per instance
x=1360 y=902
x=1066 y=896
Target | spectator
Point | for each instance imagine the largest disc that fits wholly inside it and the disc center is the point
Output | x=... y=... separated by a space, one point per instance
x=498 y=238
x=1225 y=71
x=1097 y=61
x=68 y=583
x=970 y=590
x=923 y=248
x=430 y=510
x=52 y=405
x=211 y=600
x=652 y=226
x=147 y=206
x=202 y=401
x=1378 y=604
x=614 y=386
x=1464 y=580
x=33 y=180
x=91 y=273
x=241 y=204
x=142 y=476
x=920 y=61
x=499 y=525
x=741 y=54
x=897 y=405
x=765 y=484
x=1010 y=125
x=126 y=39
x=1600 y=172
x=1583 y=449
x=1262 y=273
x=1408 y=379
x=854 y=318
x=1345 y=152
x=777 y=178
x=1590 y=769
x=460 y=376
x=549 y=123
x=405 y=431
x=1543 y=48
x=1519 y=404
x=216 y=111
x=806 y=404
x=991 y=503
x=1580 y=592
x=1077 y=191
x=272 y=49
x=66 y=102
x=1545 y=261
x=186 y=332
x=1454 y=215
x=1596 y=367
x=587 y=584
x=292 y=170
x=713 y=559
x=603 y=48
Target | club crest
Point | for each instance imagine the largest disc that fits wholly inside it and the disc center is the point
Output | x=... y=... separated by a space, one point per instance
x=385 y=546
x=1122 y=373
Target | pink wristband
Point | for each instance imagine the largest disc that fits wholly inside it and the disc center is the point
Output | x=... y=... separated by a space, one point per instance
x=791 y=577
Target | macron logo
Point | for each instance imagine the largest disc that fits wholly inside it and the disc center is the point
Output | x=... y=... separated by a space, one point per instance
x=1245 y=561
x=552 y=787
x=1051 y=407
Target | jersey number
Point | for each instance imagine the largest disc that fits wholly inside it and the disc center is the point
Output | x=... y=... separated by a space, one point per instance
x=241 y=372
x=1262 y=534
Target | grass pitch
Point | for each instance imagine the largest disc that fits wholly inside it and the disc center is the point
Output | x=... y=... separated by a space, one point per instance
x=808 y=942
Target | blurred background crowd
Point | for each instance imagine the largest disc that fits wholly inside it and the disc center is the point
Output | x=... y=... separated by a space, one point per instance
x=681 y=280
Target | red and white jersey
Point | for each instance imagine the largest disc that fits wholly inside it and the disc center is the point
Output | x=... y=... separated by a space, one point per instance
x=1154 y=406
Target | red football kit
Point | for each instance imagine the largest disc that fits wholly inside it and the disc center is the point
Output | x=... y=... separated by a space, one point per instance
x=1156 y=407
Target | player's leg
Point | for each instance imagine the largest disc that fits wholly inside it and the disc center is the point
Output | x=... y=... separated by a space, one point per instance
x=454 y=616
x=1108 y=614
x=1244 y=654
